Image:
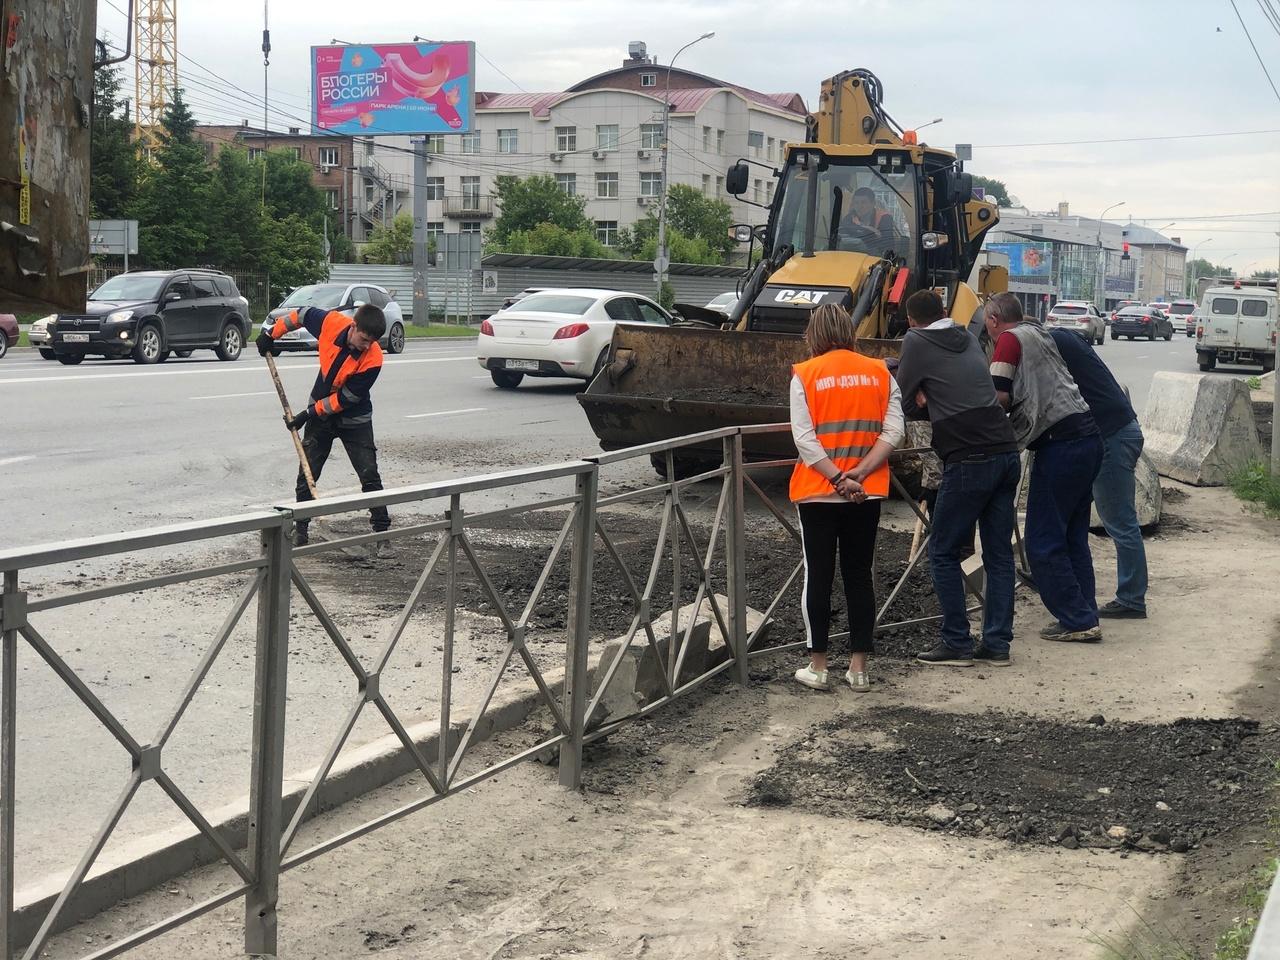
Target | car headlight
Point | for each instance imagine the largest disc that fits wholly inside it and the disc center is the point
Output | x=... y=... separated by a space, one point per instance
x=120 y=316
x=41 y=325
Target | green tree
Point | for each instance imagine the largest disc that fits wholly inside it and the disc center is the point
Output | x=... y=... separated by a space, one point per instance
x=292 y=252
x=392 y=244
x=996 y=190
x=1263 y=275
x=697 y=226
x=552 y=240
x=173 y=201
x=234 y=222
x=526 y=203
x=682 y=249
x=114 y=162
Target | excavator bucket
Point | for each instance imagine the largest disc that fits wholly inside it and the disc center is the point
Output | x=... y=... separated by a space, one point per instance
x=667 y=382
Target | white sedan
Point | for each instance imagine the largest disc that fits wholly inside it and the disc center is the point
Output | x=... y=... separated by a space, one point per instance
x=559 y=333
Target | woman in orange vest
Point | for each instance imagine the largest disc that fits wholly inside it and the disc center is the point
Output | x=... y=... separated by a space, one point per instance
x=846 y=418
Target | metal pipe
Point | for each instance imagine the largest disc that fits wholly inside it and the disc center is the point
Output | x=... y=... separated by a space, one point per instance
x=11 y=600
x=811 y=206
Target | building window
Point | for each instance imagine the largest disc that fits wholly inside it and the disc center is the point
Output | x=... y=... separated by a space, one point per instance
x=368 y=149
x=328 y=156
x=706 y=184
x=719 y=186
x=435 y=188
x=471 y=192
x=470 y=142
x=331 y=198
x=757 y=191
x=435 y=143
x=650 y=184
x=369 y=192
x=607 y=186
x=755 y=141
x=650 y=136
x=771 y=144
x=606 y=136
x=297 y=152
x=607 y=232
x=470 y=226
x=435 y=228
x=706 y=139
x=566 y=139
x=255 y=153
x=719 y=141
x=568 y=182
x=507 y=140
x=768 y=191
x=648 y=79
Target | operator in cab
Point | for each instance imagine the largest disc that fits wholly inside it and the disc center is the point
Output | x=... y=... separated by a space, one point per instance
x=865 y=213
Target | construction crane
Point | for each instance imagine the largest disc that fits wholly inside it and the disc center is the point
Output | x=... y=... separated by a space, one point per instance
x=156 y=44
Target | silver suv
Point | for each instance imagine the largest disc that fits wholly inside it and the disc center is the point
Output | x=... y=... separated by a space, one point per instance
x=1079 y=317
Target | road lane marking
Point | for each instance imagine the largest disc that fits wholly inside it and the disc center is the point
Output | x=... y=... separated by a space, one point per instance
x=1142 y=356
x=445 y=413
x=5 y=461
x=90 y=377
x=229 y=396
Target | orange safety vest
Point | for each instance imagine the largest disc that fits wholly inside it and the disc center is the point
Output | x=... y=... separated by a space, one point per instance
x=327 y=393
x=847 y=395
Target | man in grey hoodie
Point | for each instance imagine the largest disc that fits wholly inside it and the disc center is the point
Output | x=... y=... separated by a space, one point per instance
x=943 y=377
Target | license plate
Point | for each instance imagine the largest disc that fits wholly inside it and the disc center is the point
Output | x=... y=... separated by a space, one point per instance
x=75 y=338
x=522 y=364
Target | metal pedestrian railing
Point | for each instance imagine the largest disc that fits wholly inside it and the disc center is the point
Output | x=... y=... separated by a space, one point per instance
x=282 y=586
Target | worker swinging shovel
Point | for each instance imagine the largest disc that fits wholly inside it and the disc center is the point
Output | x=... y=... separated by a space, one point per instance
x=340 y=407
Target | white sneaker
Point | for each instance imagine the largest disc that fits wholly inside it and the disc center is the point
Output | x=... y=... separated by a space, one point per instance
x=860 y=682
x=812 y=678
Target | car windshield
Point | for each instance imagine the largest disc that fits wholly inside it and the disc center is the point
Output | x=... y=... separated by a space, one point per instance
x=724 y=300
x=1069 y=311
x=1182 y=308
x=1134 y=312
x=859 y=208
x=327 y=296
x=556 y=303
x=129 y=287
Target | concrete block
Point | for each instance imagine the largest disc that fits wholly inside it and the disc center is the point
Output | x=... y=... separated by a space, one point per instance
x=1148 y=497
x=1199 y=428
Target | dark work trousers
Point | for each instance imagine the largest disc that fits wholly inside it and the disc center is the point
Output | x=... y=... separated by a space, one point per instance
x=848 y=529
x=357 y=440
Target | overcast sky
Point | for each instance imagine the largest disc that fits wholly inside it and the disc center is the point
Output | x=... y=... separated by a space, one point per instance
x=999 y=73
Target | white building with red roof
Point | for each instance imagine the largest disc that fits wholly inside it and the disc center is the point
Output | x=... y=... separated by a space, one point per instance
x=601 y=139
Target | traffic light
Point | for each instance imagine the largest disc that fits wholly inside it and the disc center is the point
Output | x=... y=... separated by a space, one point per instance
x=1125 y=248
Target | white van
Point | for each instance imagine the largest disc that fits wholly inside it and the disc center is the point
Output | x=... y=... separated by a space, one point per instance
x=1237 y=324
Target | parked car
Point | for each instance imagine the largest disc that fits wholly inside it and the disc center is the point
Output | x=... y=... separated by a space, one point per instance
x=723 y=303
x=559 y=332
x=8 y=332
x=1146 y=322
x=1079 y=317
x=526 y=292
x=1237 y=325
x=147 y=315
x=1161 y=305
x=39 y=337
x=343 y=297
x=1120 y=305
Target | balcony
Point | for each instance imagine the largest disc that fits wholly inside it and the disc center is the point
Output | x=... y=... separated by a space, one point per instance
x=468 y=208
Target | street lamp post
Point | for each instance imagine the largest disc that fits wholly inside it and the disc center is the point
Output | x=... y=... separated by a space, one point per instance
x=1190 y=279
x=661 y=260
x=1275 y=396
x=1100 y=293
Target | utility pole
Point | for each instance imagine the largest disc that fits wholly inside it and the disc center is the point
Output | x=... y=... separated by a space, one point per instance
x=1100 y=292
x=421 y=305
x=662 y=260
x=1275 y=390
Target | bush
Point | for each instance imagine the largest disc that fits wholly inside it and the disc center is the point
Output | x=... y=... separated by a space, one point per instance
x=1256 y=484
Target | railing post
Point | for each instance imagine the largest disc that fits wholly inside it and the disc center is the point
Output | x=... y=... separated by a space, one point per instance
x=576 y=681
x=736 y=558
x=12 y=617
x=267 y=775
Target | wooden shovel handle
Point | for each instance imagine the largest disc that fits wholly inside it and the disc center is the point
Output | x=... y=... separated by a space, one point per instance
x=288 y=415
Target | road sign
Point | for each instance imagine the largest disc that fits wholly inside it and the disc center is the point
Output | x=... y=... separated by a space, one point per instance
x=964 y=151
x=489 y=280
x=113 y=237
x=661 y=263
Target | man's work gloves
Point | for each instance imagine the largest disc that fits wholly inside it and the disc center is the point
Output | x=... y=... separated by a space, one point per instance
x=299 y=421
x=265 y=343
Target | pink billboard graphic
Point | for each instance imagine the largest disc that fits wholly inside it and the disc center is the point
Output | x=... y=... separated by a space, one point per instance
x=393 y=88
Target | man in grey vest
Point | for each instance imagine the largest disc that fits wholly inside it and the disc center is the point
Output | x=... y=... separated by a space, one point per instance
x=1050 y=418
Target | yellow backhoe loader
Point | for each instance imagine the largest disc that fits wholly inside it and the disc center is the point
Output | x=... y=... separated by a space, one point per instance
x=863 y=216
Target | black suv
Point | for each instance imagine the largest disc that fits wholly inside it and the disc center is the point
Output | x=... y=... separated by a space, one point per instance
x=147 y=315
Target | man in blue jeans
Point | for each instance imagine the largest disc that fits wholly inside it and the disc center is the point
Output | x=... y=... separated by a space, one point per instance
x=943 y=376
x=1113 y=490
x=1050 y=418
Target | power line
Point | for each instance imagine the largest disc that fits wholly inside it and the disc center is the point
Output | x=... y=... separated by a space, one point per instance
x=1270 y=13
x=1255 y=49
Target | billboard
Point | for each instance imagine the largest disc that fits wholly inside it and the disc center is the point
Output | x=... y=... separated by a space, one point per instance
x=393 y=88
x=1025 y=259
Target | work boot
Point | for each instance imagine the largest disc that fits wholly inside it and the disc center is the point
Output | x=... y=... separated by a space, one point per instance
x=300 y=535
x=943 y=656
x=383 y=550
x=1057 y=632
x=1115 y=610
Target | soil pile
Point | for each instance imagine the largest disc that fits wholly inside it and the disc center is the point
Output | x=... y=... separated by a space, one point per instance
x=1149 y=787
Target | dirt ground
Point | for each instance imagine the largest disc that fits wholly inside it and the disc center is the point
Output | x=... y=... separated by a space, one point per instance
x=664 y=854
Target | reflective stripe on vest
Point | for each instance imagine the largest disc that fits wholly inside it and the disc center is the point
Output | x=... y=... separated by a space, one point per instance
x=847 y=394
x=338 y=364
